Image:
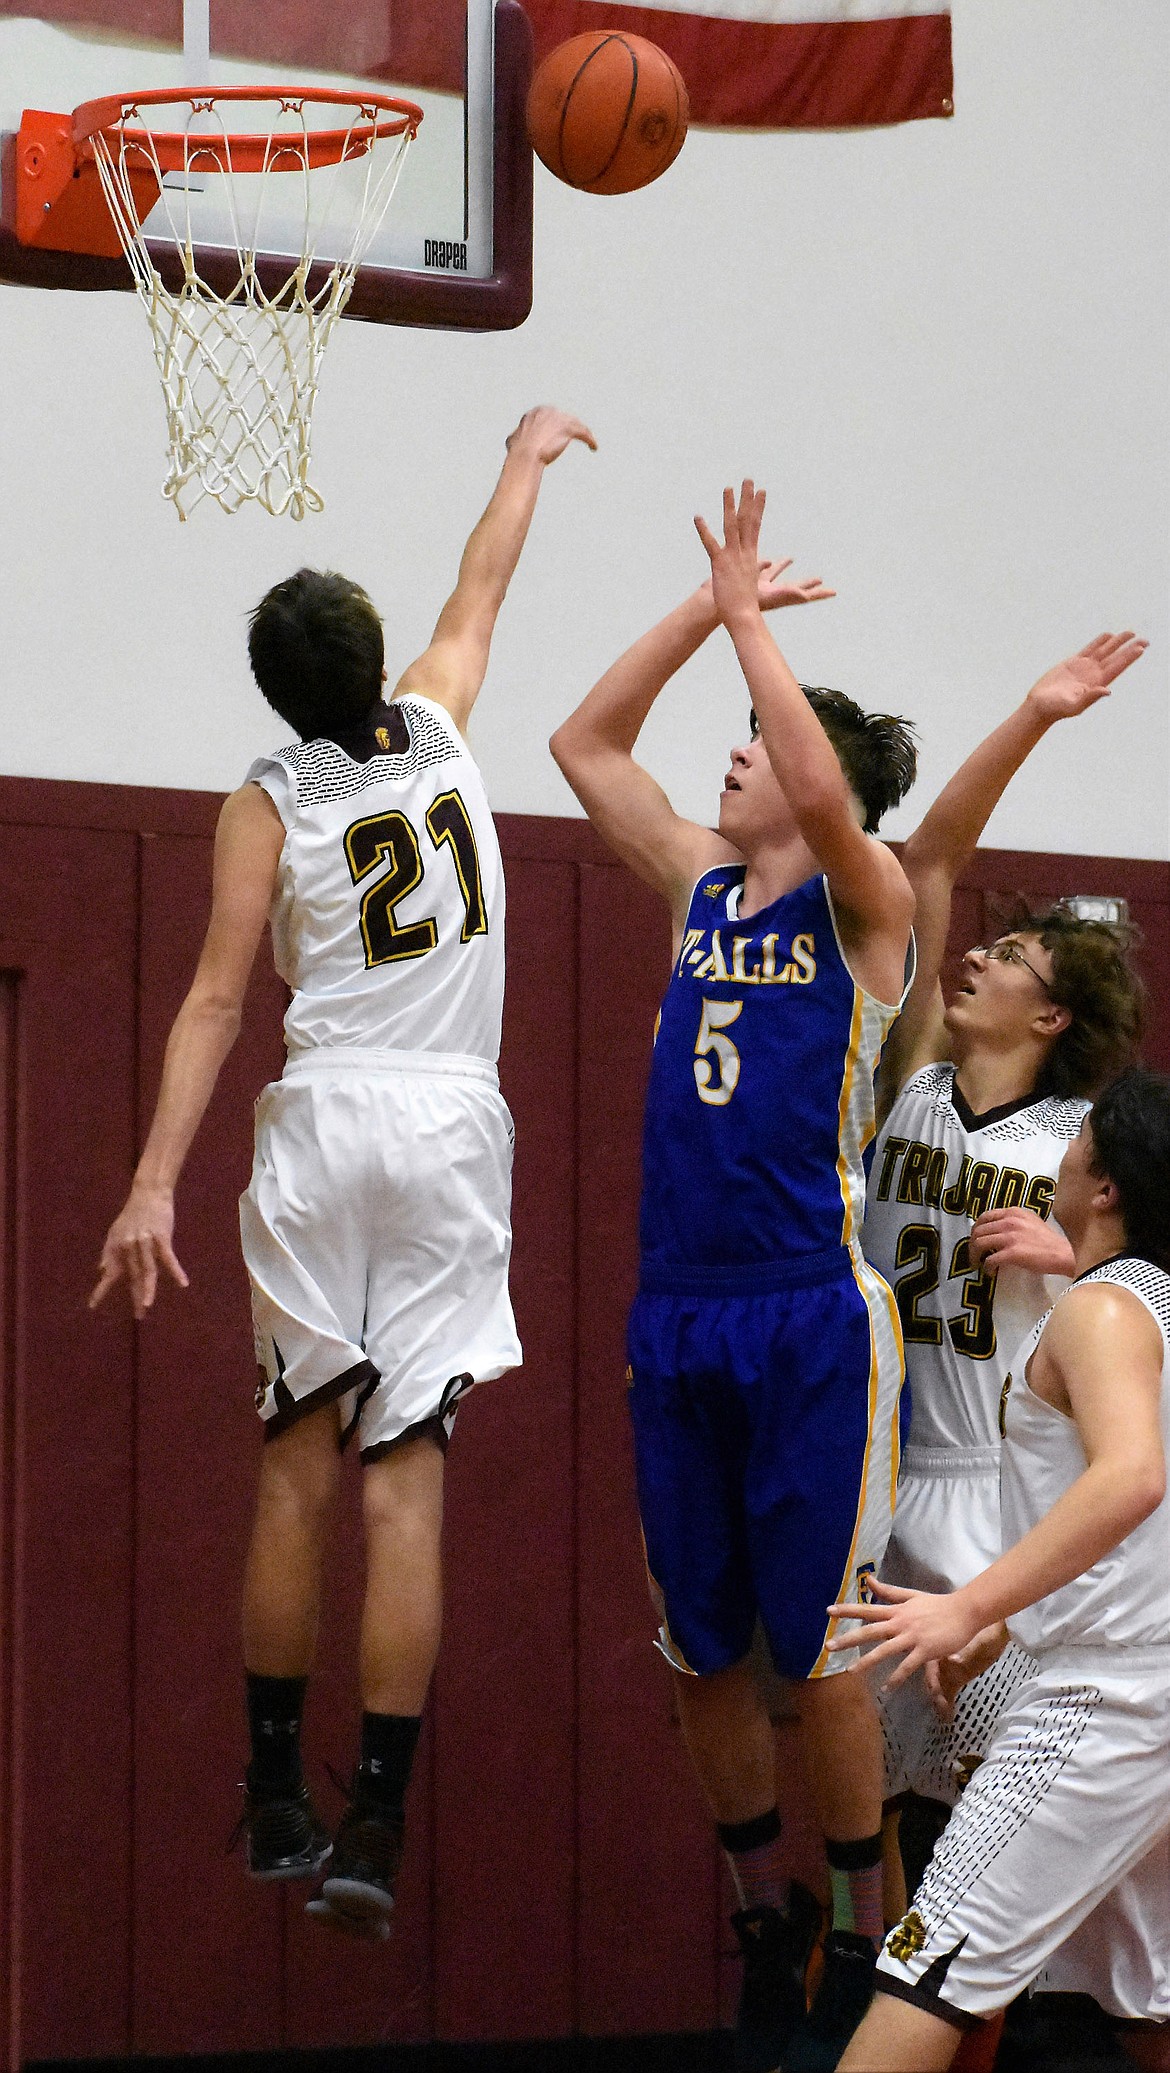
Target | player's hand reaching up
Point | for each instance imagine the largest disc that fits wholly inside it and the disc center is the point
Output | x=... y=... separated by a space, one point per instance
x=735 y=560
x=544 y=433
x=1073 y=686
x=772 y=593
x=1020 y=1238
x=138 y=1243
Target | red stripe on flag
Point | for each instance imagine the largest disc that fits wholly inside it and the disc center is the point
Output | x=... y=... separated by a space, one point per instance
x=783 y=75
x=748 y=75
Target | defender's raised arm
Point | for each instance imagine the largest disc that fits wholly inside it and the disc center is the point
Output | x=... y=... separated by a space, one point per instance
x=451 y=671
x=936 y=853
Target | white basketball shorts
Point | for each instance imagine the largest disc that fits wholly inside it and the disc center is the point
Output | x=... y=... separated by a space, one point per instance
x=1061 y=1839
x=946 y=1531
x=376 y=1233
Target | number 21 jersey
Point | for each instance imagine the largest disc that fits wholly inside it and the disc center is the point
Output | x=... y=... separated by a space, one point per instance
x=388 y=911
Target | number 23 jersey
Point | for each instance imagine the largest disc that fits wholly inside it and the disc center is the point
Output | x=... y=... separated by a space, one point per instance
x=936 y=1167
x=388 y=911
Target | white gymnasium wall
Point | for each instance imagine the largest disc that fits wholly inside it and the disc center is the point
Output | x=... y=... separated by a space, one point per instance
x=942 y=348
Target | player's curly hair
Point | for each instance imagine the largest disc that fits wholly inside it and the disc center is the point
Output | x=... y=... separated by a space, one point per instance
x=1094 y=977
x=316 y=650
x=1130 y=1127
x=877 y=751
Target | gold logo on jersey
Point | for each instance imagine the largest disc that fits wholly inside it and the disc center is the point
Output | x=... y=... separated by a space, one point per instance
x=865 y=1577
x=382 y=737
x=1003 y=1397
x=905 y=1942
x=712 y=892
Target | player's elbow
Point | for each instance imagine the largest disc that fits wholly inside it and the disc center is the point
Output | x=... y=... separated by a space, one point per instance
x=1140 y=1486
x=569 y=748
x=1148 y=1489
x=212 y=1010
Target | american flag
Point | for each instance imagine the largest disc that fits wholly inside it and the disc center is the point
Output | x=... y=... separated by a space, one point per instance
x=751 y=64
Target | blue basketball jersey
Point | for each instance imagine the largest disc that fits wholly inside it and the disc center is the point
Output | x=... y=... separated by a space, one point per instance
x=760 y=1106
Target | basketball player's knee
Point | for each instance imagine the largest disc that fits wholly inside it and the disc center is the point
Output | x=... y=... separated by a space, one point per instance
x=841 y=1702
x=297 y=1486
x=402 y=1499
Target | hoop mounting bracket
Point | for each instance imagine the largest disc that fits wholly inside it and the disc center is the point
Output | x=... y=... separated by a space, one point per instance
x=60 y=206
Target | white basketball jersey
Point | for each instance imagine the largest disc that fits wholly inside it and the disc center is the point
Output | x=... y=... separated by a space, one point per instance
x=1124 y=1599
x=388 y=913
x=935 y=1169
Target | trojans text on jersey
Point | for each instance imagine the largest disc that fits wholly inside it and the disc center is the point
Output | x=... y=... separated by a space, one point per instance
x=928 y=1175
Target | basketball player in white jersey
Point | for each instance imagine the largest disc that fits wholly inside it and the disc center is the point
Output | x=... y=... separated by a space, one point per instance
x=376 y=1227
x=958 y=1215
x=1061 y=1842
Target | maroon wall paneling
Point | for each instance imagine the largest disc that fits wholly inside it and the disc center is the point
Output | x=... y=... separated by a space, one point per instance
x=646 y=1850
x=505 y=1731
x=197 y=1450
x=560 y=1874
x=68 y=951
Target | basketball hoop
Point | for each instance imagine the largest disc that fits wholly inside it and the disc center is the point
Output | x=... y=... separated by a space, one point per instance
x=240 y=358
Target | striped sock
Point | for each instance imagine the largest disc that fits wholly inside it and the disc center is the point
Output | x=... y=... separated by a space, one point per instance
x=855 y=1870
x=755 y=1855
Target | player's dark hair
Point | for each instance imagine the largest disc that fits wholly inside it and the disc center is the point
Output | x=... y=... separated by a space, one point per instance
x=316 y=650
x=1093 y=976
x=876 y=751
x=1130 y=1127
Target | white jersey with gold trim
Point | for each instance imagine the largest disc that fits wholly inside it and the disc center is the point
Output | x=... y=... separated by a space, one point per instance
x=1122 y=1601
x=935 y=1169
x=388 y=914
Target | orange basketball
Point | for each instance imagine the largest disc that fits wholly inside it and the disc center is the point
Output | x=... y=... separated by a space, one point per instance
x=607 y=111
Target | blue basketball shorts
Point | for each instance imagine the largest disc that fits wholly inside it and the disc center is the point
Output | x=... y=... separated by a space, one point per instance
x=766 y=1445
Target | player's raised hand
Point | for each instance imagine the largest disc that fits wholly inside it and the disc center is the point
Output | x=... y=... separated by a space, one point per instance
x=920 y=1626
x=773 y=592
x=735 y=560
x=138 y=1243
x=1020 y=1238
x=1076 y=684
x=544 y=433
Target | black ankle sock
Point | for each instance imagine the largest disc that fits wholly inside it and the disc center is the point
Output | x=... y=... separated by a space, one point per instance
x=274 y=1724
x=389 y=1741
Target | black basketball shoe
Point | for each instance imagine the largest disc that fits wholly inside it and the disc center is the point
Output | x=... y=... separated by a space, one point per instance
x=358 y=1894
x=777 y=1944
x=285 y=1837
x=843 y=1994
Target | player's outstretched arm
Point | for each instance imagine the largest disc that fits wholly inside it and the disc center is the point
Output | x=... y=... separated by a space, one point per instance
x=864 y=876
x=248 y=843
x=1102 y=1352
x=453 y=667
x=594 y=747
x=935 y=854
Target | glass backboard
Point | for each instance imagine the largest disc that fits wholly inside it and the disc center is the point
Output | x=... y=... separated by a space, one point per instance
x=455 y=249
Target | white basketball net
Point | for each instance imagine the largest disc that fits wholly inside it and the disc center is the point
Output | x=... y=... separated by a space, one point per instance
x=240 y=371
